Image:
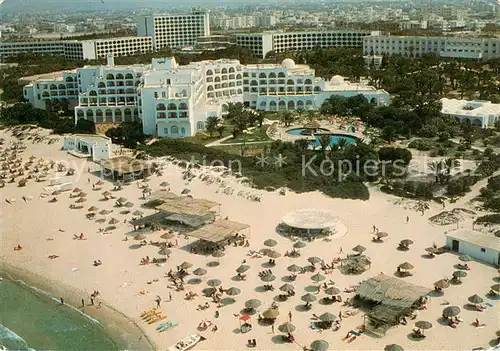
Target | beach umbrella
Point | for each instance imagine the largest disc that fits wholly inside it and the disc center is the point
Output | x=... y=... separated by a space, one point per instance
x=242 y=269
x=495 y=287
x=314 y=260
x=121 y=200
x=99 y=182
x=233 y=291
x=168 y=236
x=105 y=212
x=327 y=317
x=106 y=193
x=139 y=237
x=82 y=194
x=185 y=191
x=214 y=282
x=273 y=254
x=332 y=290
x=294 y=268
x=164 y=251
x=268 y=278
x=271 y=313
x=431 y=250
x=270 y=242
x=498 y=333
x=308 y=298
x=317 y=278
x=465 y=258
x=186 y=265
x=406 y=242
x=442 y=284
x=460 y=274
x=320 y=345
x=381 y=235
x=129 y=204
x=451 y=311
x=164 y=184
x=359 y=248
x=81 y=200
x=424 y=325
x=92 y=209
x=137 y=213
x=253 y=304
x=286 y=328
x=77 y=190
x=406 y=266
x=299 y=245
x=475 y=299
x=200 y=271
x=393 y=347
x=287 y=287
x=146 y=190
x=218 y=254
x=113 y=221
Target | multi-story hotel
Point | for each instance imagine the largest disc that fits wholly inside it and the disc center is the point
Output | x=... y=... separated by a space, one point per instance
x=174 y=30
x=175 y=101
x=81 y=49
x=413 y=46
x=263 y=43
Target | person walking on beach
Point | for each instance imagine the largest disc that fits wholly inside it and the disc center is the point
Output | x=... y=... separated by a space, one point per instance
x=83 y=303
x=92 y=300
x=272 y=328
x=158 y=301
x=169 y=296
x=62 y=300
x=290 y=316
x=407 y=219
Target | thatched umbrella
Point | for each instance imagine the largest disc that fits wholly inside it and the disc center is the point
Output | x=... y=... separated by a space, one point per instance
x=451 y=311
x=121 y=200
x=253 y=304
x=105 y=212
x=113 y=221
x=312 y=125
x=287 y=287
x=137 y=213
x=139 y=237
x=475 y=299
x=314 y=260
x=424 y=325
x=146 y=191
x=273 y=254
x=268 y=278
x=242 y=269
x=271 y=313
x=459 y=274
x=81 y=200
x=332 y=290
x=82 y=194
x=92 y=209
x=406 y=266
x=200 y=271
x=495 y=288
x=185 y=191
x=317 y=278
x=164 y=251
x=320 y=345
x=185 y=265
x=299 y=245
x=327 y=317
x=167 y=236
x=77 y=190
x=287 y=328
x=442 y=284
x=294 y=268
x=164 y=184
x=99 y=182
x=233 y=291
x=381 y=235
x=465 y=258
x=218 y=254
x=214 y=282
x=106 y=194
x=359 y=249
x=270 y=242
x=431 y=250
x=308 y=298
x=393 y=347
x=129 y=204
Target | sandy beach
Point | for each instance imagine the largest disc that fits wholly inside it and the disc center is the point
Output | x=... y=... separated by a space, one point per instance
x=43 y=228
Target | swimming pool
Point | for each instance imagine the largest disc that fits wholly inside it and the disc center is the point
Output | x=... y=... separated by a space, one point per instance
x=305 y=131
x=350 y=139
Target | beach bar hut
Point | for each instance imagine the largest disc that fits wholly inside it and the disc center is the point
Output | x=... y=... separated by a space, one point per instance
x=218 y=231
x=388 y=299
x=480 y=246
x=124 y=168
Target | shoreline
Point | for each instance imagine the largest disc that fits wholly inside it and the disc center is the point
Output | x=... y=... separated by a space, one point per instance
x=114 y=322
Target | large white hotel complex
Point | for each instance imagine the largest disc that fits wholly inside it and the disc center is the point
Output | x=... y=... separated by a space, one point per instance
x=175 y=101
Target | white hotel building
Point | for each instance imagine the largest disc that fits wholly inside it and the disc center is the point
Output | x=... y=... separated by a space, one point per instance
x=413 y=46
x=175 y=101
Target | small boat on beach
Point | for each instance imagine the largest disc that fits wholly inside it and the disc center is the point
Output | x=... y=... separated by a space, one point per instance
x=186 y=343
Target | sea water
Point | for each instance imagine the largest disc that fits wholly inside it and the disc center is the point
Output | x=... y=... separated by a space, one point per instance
x=32 y=320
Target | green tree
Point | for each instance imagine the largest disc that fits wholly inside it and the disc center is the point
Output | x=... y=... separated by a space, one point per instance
x=212 y=124
x=287 y=118
x=324 y=141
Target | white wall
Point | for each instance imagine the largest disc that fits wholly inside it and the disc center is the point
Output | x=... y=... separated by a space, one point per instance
x=490 y=256
x=101 y=152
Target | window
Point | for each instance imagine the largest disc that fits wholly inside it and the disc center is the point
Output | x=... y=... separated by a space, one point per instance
x=165 y=131
x=483 y=250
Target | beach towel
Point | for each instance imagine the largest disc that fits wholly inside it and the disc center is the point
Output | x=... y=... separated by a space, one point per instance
x=353 y=332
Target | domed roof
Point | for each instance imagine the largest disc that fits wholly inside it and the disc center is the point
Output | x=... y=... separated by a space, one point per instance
x=288 y=63
x=337 y=80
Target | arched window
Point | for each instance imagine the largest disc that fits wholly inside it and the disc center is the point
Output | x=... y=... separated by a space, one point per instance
x=129 y=76
x=300 y=104
x=92 y=93
x=262 y=75
x=224 y=71
x=210 y=88
x=53 y=87
x=373 y=101
x=308 y=81
x=99 y=118
x=118 y=116
x=210 y=73
x=172 y=106
x=62 y=86
x=290 y=82
x=183 y=106
x=281 y=75
x=272 y=106
x=240 y=91
x=238 y=76
x=80 y=114
x=272 y=75
x=110 y=76
x=225 y=108
x=263 y=105
x=231 y=69
x=200 y=125
x=45 y=94
x=210 y=79
x=183 y=131
x=282 y=106
x=109 y=115
x=291 y=105
x=309 y=103
x=160 y=107
x=161 y=115
x=174 y=130
x=172 y=115
x=317 y=89
x=101 y=85
x=119 y=76
x=69 y=79
x=90 y=113
x=128 y=115
x=217 y=79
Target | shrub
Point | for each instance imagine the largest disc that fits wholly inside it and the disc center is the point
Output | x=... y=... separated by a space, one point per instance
x=421 y=144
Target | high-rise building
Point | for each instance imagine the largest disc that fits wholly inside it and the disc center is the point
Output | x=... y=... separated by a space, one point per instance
x=174 y=30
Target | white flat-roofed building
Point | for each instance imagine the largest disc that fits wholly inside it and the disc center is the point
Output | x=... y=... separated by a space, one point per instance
x=174 y=30
x=36 y=47
x=480 y=246
x=263 y=43
x=415 y=46
x=478 y=113
x=98 y=147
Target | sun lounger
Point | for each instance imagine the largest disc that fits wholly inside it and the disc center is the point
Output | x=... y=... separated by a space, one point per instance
x=353 y=332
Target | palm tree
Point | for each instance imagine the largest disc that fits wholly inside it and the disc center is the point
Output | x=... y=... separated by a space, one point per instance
x=220 y=129
x=287 y=118
x=442 y=169
x=324 y=141
x=212 y=124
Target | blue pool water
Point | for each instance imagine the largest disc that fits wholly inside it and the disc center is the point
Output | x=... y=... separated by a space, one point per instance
x=334 y=140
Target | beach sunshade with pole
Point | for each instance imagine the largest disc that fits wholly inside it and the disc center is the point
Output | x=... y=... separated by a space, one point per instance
x=498 y=333
x=200 y=271
x=327 y=317
x=164 y=251
x=442 y=284
x=286 y=328
x=319 y=345
x=81 y=200
x=146 y=191
x=381 y=235
x=451 y=311
x=185 y=191
x=317 y=277
x=332 y=290
x=465 y=258
x=113 y=221
x=460 y=274
x=406 y=266
x=253 y=304
x=495 y=288
x=431 y=250
x=121 y=200
x=137 y=213
x=287 y=287
x=271 y=313
x=167 y=236
x=308 y=298
x=424 y=325
x=77 y=190
x=270 y=242
x=99 y=182
x=406 y=242
x=314 y=260
x=105 y=212
x=92 y=209
x=164 y=184
x=218 y=254
x=475 y=299
x=129 y=204
x=106 y=193
x=273 y=254
x=140 y=237
x=268 y=278
x=359 y=248
x=299 y=245
x=294 y=268
x=393 y=347
x=242 y=269
x=214 y=282
x=233 y=291
x=186 y=265
x=82 y=194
